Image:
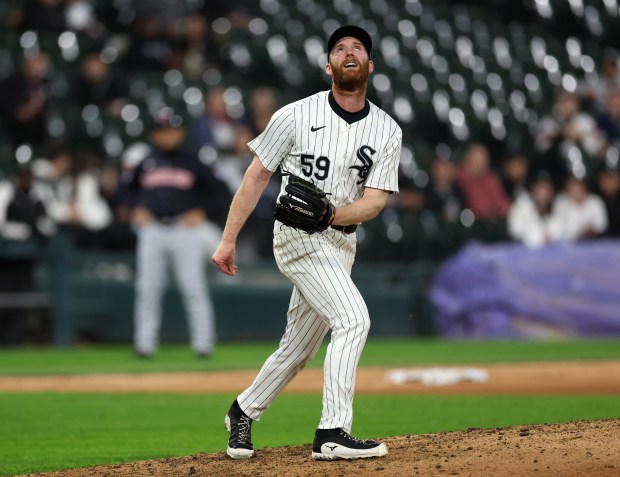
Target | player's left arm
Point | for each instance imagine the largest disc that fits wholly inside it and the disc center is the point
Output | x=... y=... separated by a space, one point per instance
x=365 y=208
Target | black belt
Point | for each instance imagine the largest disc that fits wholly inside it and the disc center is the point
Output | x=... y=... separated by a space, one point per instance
x=347 y=229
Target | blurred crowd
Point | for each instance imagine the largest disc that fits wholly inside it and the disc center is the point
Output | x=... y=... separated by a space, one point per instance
x=68 y=174
x=567 y=190
x=78 y=183
x=84 y=151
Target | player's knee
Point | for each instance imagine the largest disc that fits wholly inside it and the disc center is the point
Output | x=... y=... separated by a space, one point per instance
x=356 y=323
x=193 y=294
x=365 y=326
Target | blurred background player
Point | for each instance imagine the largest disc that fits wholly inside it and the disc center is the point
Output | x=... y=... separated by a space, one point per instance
x=167 y=189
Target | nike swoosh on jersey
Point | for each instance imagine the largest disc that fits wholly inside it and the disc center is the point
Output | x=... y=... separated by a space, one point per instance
x=315 y=129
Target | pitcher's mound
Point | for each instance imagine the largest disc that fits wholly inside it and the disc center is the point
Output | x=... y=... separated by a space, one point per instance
x=572 y=449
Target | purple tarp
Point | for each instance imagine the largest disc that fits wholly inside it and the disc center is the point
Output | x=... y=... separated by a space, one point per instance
x=511 y=291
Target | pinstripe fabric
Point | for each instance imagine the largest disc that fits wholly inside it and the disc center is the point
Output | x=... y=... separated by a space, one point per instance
x=289 y=137
x=308 y=139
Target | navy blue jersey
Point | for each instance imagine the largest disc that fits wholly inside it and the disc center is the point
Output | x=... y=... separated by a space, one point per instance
x=170 y=184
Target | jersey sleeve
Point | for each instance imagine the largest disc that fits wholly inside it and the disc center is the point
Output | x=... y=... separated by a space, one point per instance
x=276 y=141
x=384 y=173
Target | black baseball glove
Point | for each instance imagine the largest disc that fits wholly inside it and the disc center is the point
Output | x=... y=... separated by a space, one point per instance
x=304 y=206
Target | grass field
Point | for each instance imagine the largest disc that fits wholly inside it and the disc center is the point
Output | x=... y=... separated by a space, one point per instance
x=47 y=431
x=230 y=356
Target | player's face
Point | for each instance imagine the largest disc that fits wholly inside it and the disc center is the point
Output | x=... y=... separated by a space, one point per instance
x=168 y=139
x=349 y=64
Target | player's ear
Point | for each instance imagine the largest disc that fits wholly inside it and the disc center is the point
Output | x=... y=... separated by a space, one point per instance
x=328 y=69
x=371 y=66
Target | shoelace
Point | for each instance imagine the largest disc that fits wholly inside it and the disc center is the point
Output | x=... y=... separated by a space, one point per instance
x=244 y=429
x=346 y=435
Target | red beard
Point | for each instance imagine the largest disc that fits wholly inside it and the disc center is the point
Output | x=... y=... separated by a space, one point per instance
x=350 y=79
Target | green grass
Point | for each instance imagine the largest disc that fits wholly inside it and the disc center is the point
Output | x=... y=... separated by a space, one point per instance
x=42 y=432
x=229 y=356
x=51 y=431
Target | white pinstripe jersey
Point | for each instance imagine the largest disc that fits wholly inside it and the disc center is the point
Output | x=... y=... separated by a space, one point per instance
x=309 y=139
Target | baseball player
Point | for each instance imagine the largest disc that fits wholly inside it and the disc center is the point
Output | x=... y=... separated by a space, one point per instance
x=347 y=149
x=168 y=188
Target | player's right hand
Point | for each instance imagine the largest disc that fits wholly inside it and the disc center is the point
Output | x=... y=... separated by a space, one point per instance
x=224 y=258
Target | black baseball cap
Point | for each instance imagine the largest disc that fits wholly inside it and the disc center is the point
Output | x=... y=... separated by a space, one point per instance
x=352 y=31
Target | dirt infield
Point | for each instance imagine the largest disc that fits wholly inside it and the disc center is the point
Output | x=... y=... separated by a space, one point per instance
x=563 y=450
x=574 y=449
x=584 y=377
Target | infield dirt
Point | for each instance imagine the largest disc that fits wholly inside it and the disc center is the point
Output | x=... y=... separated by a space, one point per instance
x=583 y=448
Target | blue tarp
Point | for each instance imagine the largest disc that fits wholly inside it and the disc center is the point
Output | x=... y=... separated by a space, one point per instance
x=511 y=291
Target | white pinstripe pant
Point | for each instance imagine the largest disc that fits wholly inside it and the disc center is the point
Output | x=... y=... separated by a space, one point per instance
x=324 y=297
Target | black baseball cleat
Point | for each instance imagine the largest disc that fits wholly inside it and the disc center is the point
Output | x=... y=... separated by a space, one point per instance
x=332 y=444
x=240 y=427
x=143 y=354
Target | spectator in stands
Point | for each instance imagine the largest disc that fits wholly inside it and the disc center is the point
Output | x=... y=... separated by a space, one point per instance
x=118 y=234
x=72 y=196
x=42 y=16
x=532 y=219
x=96 y=84
x=608 y=187
x=239 y=9
x=482 y=188
x=223 y=123
x=596 y=92
x=24 y=102
x=410 y=198
x=443 y=195
x=195 y=53
x=566 y=127
x=168 y=13
x=581 y=214
x=215 y=127
x=513 y=173
x=202 y=133
x=82 y=17
x=263 y=103
x=23 y=218
x=230 y=167
x=609 y=120
x=150 y=49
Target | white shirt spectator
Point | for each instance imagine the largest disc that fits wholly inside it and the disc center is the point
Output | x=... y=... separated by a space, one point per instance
x=65 y=195
x=567 y=127
x=528 y=226
x=584 y=130
x=580 y=219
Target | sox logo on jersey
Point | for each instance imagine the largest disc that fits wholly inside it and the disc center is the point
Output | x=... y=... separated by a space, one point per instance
x=363 y=154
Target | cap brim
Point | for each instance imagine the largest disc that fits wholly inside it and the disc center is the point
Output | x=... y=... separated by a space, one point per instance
x=352 y=31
